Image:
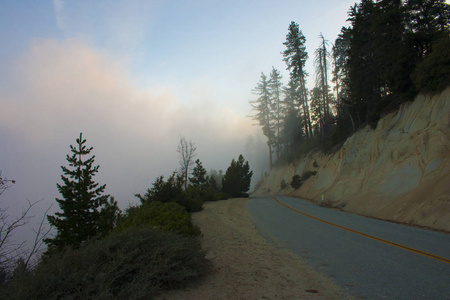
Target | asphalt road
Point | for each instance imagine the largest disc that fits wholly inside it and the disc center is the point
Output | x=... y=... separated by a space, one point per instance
x=366 y=268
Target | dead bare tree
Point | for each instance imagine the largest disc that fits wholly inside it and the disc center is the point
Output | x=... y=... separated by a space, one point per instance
x=12 y=251
x=39 y=235
x=5 y=183
x=187 y=152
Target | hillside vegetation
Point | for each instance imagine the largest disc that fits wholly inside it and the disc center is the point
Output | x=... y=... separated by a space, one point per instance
x=390 y=52
x=398 y=171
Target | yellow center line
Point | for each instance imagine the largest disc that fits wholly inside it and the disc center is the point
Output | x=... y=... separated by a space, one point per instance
x=443 y=259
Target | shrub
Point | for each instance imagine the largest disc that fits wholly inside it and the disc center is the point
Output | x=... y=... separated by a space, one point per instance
x=221 y=196
x=172 y=191
x=298 y=180
x=163 y=191
x=208 y=195
x=164 y=216
x=192 y=199
x=307 y=174
x=134 y=264
x=283 y=184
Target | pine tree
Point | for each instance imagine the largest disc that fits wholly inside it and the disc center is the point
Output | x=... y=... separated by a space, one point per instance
x=345 y=109
x=322 y=110
x=428 y=21
x=264 y=112
x=364 y=73
x=295 y=57
x=291 y=96
x=340 y=56
x=292 y=134
x=276 y=89
x=83 y=203
x=164 y=191
x=199 y=178
x=236 y=181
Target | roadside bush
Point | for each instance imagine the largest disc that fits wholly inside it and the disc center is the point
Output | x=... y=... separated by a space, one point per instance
x=307 y=174
x=163 y=191
x=172 y=191
x=298 y=180
x=208 y=195
x=163 y=216
x=283 y=184
x=192 y=199
x=221 y=196
x=135 y=264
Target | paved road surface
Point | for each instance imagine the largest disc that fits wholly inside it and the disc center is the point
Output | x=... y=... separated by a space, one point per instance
x=366 y=268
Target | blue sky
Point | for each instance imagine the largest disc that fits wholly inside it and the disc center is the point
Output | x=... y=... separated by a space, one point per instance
x=223 y=44
x=134 y=76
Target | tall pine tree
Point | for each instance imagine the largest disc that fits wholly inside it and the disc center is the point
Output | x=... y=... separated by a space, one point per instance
x=264 y=112
x=276 y=89
x=295 y=57
x=83 y=203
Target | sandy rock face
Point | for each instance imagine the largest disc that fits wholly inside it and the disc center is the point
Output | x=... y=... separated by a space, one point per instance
x=399 y=171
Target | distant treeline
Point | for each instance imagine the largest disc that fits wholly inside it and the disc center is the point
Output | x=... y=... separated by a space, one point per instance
x=392 y=51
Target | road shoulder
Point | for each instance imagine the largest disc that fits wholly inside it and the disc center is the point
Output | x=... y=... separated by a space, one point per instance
x=247 y=266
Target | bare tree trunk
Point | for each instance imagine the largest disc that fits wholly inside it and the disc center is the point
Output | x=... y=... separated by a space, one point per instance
x=304 y=100
x=308 y=116
x=187 y=152
x=270 y=154
x=353 y=122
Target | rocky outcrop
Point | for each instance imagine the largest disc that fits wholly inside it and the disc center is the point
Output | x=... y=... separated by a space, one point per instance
x=400 y=171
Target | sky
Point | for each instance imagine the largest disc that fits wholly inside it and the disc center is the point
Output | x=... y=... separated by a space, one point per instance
x=135 y=76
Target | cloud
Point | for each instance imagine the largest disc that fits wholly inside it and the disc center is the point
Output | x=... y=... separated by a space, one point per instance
x=59 y=89
x=58 y=5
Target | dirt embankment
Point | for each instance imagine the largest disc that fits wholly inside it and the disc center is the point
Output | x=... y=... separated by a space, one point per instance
x=246 y=266
x=399 y=171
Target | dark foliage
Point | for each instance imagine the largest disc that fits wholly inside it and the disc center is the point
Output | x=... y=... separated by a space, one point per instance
x=164 y=191
x=221 y=196
x=85 y=211
x=193 y=198
x=297 y=180
x=134 y=264
x=432 y=75
x=163 y=216
x=236 y=181
x=199 y=178
x=389 y=42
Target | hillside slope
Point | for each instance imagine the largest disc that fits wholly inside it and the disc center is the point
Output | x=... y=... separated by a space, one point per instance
x=400 y=171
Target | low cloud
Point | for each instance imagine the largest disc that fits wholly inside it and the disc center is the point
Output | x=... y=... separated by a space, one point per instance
x=59 y=89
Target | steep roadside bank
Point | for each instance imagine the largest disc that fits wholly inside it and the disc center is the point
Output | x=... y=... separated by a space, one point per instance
x=246 y=266
x=400 y=171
